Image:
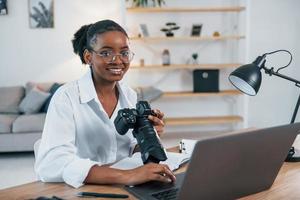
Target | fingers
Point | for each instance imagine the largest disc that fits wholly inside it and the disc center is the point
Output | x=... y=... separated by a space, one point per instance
x=158 y=124
x=149 y=172
x=159 y=130
x=156 y=121
x=169 y=174
x=161 y=178
x=159 y=114
x=163 y=173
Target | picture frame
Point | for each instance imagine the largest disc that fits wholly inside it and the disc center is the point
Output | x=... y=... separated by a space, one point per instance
x=196 y=30
x=41 y=13
x=144 y=30
x=3 y=7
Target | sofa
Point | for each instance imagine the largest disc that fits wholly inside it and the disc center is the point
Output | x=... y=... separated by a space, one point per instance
x=22 y=115
x=23 y=112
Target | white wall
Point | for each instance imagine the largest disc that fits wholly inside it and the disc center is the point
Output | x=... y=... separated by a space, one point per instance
x=46 y=54
x=274 y=24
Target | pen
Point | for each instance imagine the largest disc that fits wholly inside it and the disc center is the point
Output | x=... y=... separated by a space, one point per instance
x=103 y=195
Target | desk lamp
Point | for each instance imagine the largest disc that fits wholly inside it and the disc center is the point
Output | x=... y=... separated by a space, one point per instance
x=247 y=79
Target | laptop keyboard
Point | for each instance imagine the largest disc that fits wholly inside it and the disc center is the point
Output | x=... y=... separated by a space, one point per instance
x=167 y=194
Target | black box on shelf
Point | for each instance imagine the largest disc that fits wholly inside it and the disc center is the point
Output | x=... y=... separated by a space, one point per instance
x=206 y=80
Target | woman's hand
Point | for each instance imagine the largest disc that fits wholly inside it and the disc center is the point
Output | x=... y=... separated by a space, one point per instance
x=149 y=172
x=157 y=121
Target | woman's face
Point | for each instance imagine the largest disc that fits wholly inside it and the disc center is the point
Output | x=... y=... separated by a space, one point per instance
x=104 y=68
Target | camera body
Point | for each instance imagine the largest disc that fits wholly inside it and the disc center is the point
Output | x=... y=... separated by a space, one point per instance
x=137 y=119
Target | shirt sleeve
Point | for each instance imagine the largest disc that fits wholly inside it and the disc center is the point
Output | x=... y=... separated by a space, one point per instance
x=56 y=159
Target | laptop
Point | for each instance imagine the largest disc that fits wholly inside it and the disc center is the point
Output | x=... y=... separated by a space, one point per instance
x=228 y=166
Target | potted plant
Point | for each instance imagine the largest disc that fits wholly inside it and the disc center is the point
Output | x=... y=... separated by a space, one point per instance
x=170 y=27
x=144 y=3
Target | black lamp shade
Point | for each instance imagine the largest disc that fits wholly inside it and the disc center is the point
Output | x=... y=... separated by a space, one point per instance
x=246 y=78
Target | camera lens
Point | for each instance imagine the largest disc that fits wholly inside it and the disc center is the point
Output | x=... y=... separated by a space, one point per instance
x=151 y=148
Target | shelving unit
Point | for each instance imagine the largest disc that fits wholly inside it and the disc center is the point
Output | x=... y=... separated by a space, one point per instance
x=185 y=39
x=186 y=66
x=150 y=43
x=200 y=9
x=201 y=94
x=230 y=119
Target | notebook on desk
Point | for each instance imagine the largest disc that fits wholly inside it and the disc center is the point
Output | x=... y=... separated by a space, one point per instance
x=174 y=161
x=227 y=166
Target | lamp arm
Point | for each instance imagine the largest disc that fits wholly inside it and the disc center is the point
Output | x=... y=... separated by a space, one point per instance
x=297 y=83
x=271 y=72
x=295 y=110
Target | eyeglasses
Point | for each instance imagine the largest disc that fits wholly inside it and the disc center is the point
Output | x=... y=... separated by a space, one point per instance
x=109 y=57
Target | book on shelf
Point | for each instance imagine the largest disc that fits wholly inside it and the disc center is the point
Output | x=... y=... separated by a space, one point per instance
x=174 y=161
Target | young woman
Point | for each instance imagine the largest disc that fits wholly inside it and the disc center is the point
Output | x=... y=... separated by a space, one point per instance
x=79 y=139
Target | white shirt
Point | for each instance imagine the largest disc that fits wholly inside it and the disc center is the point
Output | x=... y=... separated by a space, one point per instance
x=78 y=133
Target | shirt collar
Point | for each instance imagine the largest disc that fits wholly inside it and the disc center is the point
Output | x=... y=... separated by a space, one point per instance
x=87 y=91
x=124 y=95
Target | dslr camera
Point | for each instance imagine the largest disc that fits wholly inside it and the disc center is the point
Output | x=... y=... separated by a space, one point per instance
x=147 y=139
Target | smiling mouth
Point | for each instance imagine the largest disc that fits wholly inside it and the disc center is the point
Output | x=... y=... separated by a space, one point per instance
x=116 y=71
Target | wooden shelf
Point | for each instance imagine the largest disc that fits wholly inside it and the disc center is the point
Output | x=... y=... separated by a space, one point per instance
x=185 y=39
x=186 y=66
x=188 y=38
x=200 y=9
x=201 y=94
x=203 y=120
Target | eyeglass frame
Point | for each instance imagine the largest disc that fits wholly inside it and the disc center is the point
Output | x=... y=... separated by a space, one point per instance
x=114 y=56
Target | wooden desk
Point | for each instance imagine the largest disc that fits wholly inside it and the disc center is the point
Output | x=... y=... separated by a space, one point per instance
x=286 y=186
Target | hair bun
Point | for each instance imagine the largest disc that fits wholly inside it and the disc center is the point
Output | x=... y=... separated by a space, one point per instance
x=79 y=41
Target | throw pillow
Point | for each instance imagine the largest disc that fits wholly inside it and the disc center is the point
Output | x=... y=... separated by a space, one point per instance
x=52 y=90
x=148 y=93
x=44 y=86
x=33 y=101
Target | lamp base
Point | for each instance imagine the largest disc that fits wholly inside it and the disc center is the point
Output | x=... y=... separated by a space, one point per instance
x=293 y=156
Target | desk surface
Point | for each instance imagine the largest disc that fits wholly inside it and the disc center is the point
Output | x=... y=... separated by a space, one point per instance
x=286 y=186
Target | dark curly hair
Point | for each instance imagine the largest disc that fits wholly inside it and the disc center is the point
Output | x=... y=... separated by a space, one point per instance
x=86 y=36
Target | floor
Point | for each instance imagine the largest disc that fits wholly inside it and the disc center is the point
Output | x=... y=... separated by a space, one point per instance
x=17 y=168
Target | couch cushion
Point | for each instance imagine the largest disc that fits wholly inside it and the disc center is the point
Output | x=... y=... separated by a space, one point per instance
x=6 y=121
x=42 y=86
x=29 y=123
x=10 y=98
x=18 y=142
x=33 y=101
x=52 y=90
